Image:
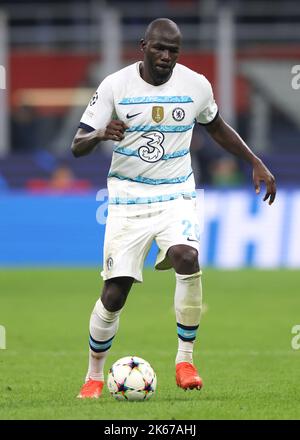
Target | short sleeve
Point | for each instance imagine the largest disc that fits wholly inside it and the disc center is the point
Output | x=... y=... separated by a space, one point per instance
x=209 y=111
x=100 y=109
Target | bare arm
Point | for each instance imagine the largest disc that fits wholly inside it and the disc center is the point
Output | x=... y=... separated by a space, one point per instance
x=229 y=139
x=85 y=142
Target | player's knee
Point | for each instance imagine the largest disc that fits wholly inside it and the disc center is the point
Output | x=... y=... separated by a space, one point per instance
x=115 y=293
x=113 y=300
x=190 y=258
x=185 y=259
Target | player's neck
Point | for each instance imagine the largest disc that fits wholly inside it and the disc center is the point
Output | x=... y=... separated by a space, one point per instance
x=146 y=76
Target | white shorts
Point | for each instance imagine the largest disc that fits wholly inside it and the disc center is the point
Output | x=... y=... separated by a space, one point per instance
x=131 y=229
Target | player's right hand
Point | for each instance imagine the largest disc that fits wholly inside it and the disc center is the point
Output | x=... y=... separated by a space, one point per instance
x=114 y=131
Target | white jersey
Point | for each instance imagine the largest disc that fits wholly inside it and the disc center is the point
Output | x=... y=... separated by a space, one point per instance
x=152 y=163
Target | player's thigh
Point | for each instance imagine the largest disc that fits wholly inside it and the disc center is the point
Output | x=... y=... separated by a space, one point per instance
x=127 y=241
x=180 y=226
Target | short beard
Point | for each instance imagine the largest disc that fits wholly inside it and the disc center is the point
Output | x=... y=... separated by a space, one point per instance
x=161 y=77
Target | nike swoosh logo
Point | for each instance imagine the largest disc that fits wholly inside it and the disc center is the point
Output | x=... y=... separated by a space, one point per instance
x=191 y=239
x=128 y=116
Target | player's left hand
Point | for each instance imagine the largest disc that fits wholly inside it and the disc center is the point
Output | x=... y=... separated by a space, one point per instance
x=262 y=174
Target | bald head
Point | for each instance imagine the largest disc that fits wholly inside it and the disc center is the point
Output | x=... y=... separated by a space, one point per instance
x=162 y=27
x=161 y=47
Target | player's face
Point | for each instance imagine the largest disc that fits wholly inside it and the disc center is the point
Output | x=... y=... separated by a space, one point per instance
x=160 y=57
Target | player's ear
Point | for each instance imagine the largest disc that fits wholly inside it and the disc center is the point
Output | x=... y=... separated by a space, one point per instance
x=142 y=44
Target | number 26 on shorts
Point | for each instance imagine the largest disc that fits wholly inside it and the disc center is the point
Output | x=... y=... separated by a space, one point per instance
x=190 y=230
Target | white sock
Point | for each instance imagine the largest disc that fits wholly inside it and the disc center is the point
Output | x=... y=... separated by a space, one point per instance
x=103 y=327
x=188 y=301
x=185 y=352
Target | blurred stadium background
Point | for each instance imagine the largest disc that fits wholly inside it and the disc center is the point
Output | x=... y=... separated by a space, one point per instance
x=55 y=53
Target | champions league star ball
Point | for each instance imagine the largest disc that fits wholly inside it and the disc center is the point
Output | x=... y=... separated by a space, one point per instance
x=131 y=378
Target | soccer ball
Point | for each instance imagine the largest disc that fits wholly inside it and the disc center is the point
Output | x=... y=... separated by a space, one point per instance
x=131 y=378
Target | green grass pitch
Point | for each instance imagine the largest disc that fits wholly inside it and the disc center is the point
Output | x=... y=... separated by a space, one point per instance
x=243 y=349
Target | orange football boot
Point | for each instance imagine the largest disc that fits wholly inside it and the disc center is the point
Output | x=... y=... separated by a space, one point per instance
x=92 y=389
x=187 y=376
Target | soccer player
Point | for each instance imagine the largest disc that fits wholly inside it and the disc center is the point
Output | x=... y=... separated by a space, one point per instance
x=149 y=110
